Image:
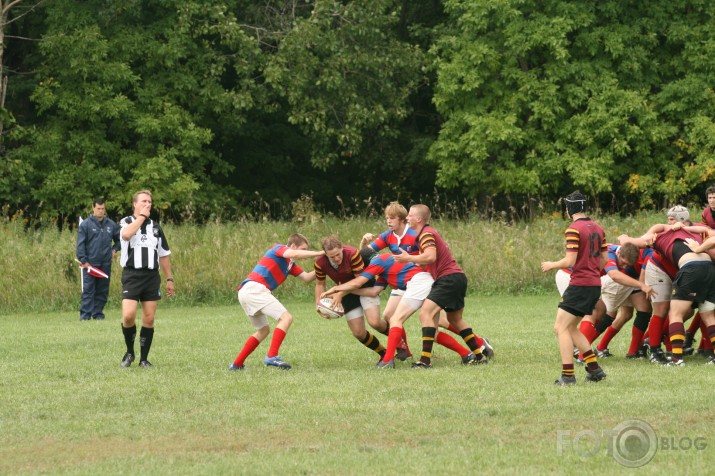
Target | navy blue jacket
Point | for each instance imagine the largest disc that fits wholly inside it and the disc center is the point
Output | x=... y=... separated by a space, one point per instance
x=94 y=241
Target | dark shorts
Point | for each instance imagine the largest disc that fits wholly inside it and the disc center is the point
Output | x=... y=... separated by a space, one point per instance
x=350 y=302
x=448 y=292
x=580 y=300
x=141 y=284
x=695 y=282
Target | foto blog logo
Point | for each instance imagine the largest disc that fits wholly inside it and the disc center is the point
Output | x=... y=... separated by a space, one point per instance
x=631 y=443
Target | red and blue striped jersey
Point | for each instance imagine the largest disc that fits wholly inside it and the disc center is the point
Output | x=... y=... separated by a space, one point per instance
x=656 y=259
x=272 y=269
x=388 y=271
x=633 y=271
x=389 y=240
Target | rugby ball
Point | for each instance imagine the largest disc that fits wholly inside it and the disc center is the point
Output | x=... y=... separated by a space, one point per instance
x=325 y=309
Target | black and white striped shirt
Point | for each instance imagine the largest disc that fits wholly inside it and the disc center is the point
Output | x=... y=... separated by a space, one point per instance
x=145 y=247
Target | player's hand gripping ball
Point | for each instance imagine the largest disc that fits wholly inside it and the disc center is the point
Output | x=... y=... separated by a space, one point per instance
x=325 y=308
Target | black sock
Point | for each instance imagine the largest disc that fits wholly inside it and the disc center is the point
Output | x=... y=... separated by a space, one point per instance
x=603 y=323
x=129 y=334
x=145 y=337
x=371 y=342
x=469 y=338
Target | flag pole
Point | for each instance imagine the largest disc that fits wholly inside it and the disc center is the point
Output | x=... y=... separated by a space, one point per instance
x=81 y=273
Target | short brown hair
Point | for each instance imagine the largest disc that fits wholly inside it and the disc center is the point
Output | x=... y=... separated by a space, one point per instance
x=331 y=242
x=423 y=211
x=297 y=239
x=630 y=253
x=710 y=190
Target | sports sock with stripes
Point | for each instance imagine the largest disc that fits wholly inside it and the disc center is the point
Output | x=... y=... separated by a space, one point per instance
x=677 y=337
x=590 y=358
x=428 y=338
x=470 y=339
x=371 y=342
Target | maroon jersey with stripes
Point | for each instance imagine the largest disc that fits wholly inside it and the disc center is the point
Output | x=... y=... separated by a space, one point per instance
x=445 y=263
x=586 y=238
x=350 y=267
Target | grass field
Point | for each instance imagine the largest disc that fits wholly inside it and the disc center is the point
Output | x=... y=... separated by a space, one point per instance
x=69 y=409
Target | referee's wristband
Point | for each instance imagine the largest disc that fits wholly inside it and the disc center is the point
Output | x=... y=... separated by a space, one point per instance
x=169 y=280
x=142 y=215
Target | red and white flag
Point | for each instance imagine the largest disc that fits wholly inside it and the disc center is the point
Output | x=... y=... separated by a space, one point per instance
x=96 y=272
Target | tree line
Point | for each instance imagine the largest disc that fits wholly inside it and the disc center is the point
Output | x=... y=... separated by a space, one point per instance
x=253 y=107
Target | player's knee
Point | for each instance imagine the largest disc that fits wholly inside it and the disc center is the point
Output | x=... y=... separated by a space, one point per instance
x=286 y=319
x=262 y=333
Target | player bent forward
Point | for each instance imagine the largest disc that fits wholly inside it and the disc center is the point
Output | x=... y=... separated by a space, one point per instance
x=257 y=300
x=414 y=280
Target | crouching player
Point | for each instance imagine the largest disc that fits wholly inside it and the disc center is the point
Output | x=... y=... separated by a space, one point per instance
x=259 y=303
x=342 y=264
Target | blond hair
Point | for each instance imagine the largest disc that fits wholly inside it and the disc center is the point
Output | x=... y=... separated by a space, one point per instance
x=394 y=209
x=140 y=192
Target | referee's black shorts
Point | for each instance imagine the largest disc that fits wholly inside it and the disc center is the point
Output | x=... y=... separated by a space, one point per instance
x=448 y=292
x=141 y=284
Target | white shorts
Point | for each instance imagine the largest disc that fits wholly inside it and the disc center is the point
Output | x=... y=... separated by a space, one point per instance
x=366 y=302
x=259 y=304
x=562 y=281
x=397 y=292
x=706 y=306
x=418 y=288
x=615 y=295
x=661 y=283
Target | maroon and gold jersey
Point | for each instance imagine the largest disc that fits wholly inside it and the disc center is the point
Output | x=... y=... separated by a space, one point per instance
x=445 y=263
x=351 y=266
x=586 y=238
x=707 y=218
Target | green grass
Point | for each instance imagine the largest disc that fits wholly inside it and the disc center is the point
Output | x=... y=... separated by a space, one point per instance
x=69 y=409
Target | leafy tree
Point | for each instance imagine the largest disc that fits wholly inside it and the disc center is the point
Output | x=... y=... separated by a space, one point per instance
x=542 y=96
x=129 y=97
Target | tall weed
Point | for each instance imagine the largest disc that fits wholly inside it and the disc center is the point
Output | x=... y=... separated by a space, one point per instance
x=38 y=272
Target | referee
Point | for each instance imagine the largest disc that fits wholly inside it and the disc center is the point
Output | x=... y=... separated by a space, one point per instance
x=144 y=251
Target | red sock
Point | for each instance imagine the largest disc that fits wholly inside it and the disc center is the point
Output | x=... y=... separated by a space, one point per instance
x=248 y=347
x=655 y=330
x=705 y=339
x=636 y=339
x=588 y=330
x=666 y=335
x=695 y=324
x=451 y=343
x=393 y=339
x=710 y=332
x=607 y=336
x=278 y=336
x=404 y=336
